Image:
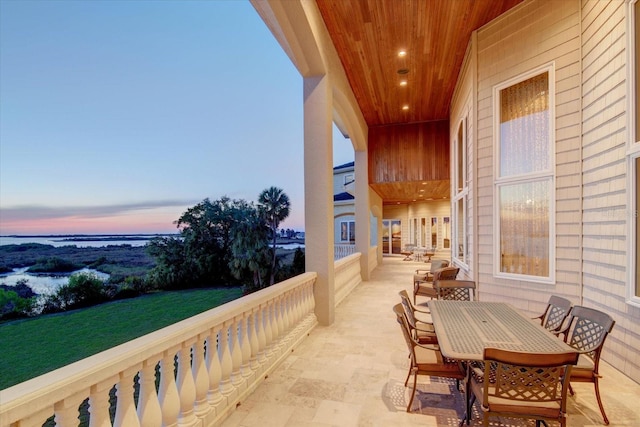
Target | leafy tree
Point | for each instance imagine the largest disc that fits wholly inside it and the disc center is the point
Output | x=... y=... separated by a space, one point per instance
x=250 y=248
x=276 y=205
x=172 y=267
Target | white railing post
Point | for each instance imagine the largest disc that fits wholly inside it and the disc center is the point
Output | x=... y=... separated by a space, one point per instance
x=245 y=346
x=66 y=411
x=169 y=398
x=201 y=377
x=99 y=403
x=149 y=410
x=186 y=385
x=213 y=365
x=226 y=363
x=236 y=354
x=263 y=343
x=126 y=415
x=254 y=341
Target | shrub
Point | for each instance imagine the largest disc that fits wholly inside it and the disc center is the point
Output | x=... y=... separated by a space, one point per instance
x=54 y=265
x=83 y=290
x=13 y=306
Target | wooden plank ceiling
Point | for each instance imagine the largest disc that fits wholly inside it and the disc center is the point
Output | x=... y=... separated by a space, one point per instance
x=368 y=36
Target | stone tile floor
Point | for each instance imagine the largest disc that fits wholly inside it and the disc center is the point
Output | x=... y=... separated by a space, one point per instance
x=352 y=374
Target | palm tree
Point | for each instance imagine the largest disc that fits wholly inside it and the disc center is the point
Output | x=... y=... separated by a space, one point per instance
x=275 y=205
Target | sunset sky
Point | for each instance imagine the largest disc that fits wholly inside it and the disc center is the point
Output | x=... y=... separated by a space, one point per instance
x=117 y=116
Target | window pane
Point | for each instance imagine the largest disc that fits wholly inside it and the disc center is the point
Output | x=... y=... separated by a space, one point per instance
x=445 y=231
x=460 y=221
x=434 y=232
x=352 y=231
x=524 y=228
x=524 y=127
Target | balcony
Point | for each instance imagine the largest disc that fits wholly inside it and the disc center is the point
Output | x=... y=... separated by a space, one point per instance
x=276 y=367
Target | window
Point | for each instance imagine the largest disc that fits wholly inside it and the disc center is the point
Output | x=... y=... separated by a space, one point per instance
x=524 y=177
x=459 y=199
x=633 y=292
x=434 y=232
x=348 y=231
x=348 y=179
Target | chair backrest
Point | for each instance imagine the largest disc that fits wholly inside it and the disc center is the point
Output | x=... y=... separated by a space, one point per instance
x=399 y=310
x=527 y=378
x=408 y=309
x=556 y=312
x=457 y=290
x=587 y=330
x=437 y=264
x=446 y=273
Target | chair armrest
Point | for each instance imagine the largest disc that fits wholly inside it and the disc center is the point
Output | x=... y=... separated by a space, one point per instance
x=422 y=271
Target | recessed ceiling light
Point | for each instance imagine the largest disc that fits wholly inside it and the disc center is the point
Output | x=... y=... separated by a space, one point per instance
x=403 y=71
x=403 y=82
x=402 y=53
x=405 y=107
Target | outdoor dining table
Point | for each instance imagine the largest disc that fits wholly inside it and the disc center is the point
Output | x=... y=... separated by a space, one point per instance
x=465 y=328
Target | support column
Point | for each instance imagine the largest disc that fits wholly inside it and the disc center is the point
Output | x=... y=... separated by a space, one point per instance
x=318 y=193
x=363 y=228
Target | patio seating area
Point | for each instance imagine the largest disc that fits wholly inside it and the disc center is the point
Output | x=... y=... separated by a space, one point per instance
x=352 y=373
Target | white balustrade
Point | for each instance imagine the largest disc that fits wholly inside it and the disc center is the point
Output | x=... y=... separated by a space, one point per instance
x=219 y=357
x=343 y=250
x=347 y=276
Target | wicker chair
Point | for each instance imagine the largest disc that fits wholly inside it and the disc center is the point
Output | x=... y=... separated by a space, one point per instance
x=425 y=359
x=586 y=331
x=426 y=275
x=425 y=288
x=523 y=385
x=554 y=315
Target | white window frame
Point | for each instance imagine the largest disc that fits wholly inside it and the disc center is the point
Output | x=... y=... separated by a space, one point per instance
x=348 y=179
x=351 y=224
x=461 y=192
x=546 y=175
x=633 y=153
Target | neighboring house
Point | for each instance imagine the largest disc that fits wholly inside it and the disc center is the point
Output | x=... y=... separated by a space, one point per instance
x=344 y=215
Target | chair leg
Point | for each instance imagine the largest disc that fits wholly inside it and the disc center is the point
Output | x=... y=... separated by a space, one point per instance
x=597 y=386
x=413 y=392
x=408 y=375
x=571 y=392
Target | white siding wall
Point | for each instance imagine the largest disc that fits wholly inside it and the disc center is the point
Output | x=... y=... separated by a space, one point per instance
x=586 y=39
x=405 y=213
x=533 y=34
x=606 y=213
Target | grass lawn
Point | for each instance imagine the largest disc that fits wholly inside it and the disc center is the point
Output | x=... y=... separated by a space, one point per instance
x=32 y=347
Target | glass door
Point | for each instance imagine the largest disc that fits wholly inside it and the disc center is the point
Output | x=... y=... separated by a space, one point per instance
x=391 y=236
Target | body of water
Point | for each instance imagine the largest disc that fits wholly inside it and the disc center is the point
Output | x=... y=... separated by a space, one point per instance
x=81 y=241
x=44 y=283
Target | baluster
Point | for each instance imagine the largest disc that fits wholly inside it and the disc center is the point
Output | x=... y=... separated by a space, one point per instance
x=126 y=415
x=169 y=398
x=253 y=338
x=99 y=403
x=268 y=329
x=149 y=410
x=262 y=334
x=226 y=364
x=186 y=385
x=236 y=354
x=245 y=345
x=281 y=326
x=66 y=410
x=286 y=313
x=201 y=377
x=215 y=370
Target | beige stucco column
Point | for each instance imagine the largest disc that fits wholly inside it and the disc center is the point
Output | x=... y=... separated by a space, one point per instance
x=363 y=215
x=318 y=193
